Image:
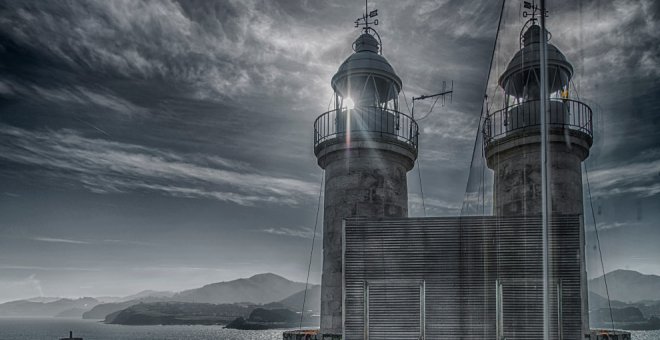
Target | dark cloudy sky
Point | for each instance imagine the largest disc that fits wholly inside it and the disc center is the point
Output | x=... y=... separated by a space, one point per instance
x=168 y=144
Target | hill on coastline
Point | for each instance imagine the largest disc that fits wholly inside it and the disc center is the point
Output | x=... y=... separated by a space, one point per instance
x=258 y=289
x=628 y=286
x=24 y=308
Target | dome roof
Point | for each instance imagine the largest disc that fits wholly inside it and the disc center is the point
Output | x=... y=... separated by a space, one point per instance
x=364 y=62
x=528 y=57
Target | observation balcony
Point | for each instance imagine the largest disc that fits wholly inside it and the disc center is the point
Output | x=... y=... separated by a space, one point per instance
x=565 y=115
x=365 y=123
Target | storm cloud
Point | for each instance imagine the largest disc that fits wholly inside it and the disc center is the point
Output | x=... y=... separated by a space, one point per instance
x=177 y=135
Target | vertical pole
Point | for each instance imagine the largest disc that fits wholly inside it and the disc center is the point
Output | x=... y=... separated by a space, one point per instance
x=499 y=332
x=544 y=173
x=366 y=310
x=422 y=310
x=560 y=310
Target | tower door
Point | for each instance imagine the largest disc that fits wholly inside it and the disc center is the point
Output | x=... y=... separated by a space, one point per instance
x=395 y=310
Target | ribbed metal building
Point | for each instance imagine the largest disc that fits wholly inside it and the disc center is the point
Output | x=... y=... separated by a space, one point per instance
x=459 y=278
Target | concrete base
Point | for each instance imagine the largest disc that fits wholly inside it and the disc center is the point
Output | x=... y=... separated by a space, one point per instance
x=309 y=334
x=608 y=334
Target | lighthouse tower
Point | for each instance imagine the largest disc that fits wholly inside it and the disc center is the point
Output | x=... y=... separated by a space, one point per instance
x=366 y=147
x=512 y=137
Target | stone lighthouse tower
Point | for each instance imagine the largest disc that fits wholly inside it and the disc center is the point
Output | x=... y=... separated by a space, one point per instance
x=512 y=137
x=366 y=147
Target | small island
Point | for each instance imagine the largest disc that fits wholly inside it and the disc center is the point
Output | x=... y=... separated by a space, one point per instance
x=261 y=318
x=234 y=316
x=178 y=313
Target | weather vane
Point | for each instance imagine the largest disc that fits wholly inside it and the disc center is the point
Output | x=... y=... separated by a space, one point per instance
x=364 y=20
x=531 y=9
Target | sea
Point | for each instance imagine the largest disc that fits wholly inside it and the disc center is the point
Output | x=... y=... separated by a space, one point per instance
x=56 y=328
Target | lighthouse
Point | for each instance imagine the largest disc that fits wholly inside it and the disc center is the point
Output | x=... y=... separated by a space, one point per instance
x=366 y=147
x=513 y=135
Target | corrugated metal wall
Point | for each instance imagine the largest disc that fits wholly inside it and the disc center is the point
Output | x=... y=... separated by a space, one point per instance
x=438 y=276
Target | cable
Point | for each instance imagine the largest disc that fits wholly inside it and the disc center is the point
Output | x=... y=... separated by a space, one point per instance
x=421 y=188
x=490 y=66
x=311 y=252
x=406 y=101
x=419 y=167
x=330 y=102
x=600 y=252
x=431 y=109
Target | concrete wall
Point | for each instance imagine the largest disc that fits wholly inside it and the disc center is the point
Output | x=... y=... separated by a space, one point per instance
x=517 y=166
x=368 y=179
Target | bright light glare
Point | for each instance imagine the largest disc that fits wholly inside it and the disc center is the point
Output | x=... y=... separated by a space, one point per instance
x=349 y=103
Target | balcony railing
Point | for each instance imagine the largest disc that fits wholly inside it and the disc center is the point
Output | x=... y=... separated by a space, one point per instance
x=365 y=123
x=563 y=114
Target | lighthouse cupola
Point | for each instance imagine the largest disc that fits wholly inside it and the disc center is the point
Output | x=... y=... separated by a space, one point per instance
x=366 y=78
x=520 y=80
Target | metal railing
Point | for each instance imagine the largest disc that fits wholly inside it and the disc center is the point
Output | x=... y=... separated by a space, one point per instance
x=368 y=122
x=563 y=114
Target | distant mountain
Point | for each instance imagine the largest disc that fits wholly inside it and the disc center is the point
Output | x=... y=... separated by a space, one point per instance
x=146 y=294
x=597 y=301
x=628 y=286
x=644 y=315
x=30 y=308
x=312 y=302
x=100 y=311
x=108 y=299
x=259 y=289
x=43 y=299
x=71 y=313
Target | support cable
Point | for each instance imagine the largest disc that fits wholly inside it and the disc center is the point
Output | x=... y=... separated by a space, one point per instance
x=483 y=104
x=311 y=251
x=600 y=252
x=405 y=99
x=421 y=188
x=430 y=110
x=419 y=167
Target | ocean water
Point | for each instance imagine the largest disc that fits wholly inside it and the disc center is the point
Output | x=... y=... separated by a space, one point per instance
x=56 y=328
x=646 y=335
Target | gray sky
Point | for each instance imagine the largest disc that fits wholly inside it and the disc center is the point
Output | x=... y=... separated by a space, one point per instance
x=166 y=145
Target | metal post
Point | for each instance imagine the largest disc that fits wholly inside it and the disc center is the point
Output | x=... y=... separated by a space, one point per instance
x=499 y=332
x=422 y=310
x=366 y=310
x=560 y=310
x=544 y=173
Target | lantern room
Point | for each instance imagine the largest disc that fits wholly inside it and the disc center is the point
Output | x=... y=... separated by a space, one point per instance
x=366 y=78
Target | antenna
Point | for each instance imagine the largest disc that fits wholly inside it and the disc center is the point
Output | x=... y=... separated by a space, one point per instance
x=442 y=94
x=364 y=19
